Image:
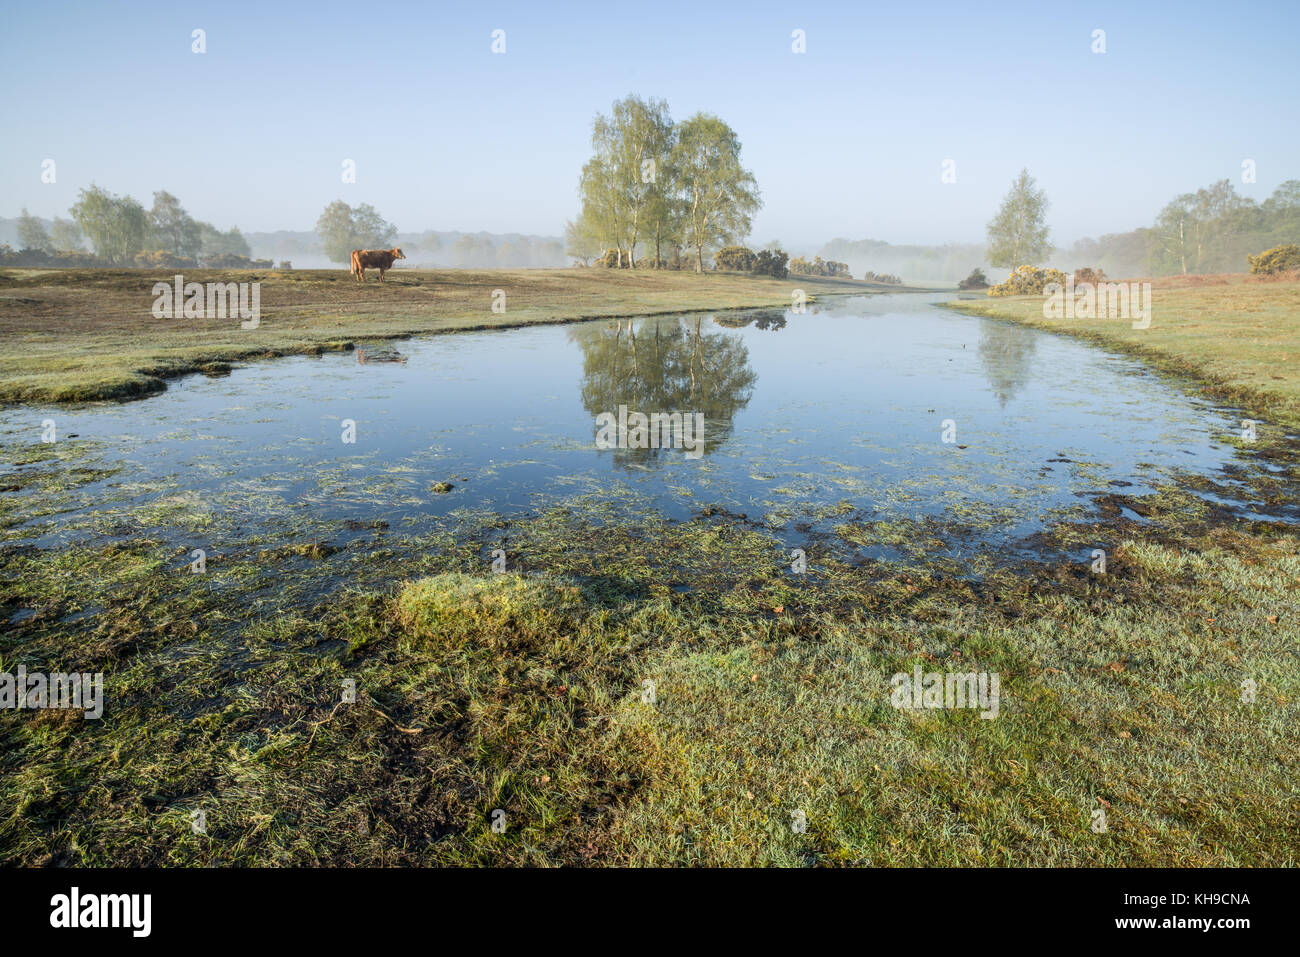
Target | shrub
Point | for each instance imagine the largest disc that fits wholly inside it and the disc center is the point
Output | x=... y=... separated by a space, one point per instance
x=888 y=279
x=1027 y=281
x=66 y=258
x=454 y=610
x=1277 y=259
x=611 y=260
x=162 y=259
x=74 y=259
x=235 y=261
x=771 y=262
x=736 y=258
x=976 y=280
x=818 y=267
x=1088 y=274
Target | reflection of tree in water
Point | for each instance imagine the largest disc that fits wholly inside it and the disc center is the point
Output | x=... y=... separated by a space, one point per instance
x=664 y=365
x=1006 y=352
x=766 y=319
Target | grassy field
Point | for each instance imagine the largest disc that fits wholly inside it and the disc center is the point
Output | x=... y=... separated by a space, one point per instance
x=74 y=335
x=768 y=701
x=1238 y=335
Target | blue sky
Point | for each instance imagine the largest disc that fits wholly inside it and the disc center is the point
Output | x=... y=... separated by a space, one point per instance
x=845 y=140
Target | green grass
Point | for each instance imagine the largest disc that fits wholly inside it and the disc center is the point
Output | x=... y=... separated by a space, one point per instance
x=1238 y=336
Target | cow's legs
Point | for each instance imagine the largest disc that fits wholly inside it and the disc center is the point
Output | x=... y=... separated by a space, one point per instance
x=381 y=273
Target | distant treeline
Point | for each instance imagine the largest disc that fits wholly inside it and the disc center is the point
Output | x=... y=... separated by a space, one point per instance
x=947 y=263
x=1209 y=231
x=431 y=249
x=119 y=231
x=158 y=259
x=34 y=241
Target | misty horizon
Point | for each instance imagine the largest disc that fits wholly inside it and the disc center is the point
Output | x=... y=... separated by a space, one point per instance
x=847 y=139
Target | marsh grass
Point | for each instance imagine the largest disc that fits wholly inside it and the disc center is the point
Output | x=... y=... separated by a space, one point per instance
x=526 y=692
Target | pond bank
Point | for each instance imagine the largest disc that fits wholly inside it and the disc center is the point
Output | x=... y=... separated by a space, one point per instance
x=1237 y=336
x=83 y=335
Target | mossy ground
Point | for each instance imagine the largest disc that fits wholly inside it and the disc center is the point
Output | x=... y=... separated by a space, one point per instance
x=527 y=691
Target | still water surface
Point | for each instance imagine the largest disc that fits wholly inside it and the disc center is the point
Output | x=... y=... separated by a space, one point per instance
x=804 y=414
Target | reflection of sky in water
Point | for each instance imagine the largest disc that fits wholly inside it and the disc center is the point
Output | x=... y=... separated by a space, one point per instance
x=844 y=404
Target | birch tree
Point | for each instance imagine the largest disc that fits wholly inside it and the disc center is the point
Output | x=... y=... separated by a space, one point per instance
x=719 y=196
x=1018 y=234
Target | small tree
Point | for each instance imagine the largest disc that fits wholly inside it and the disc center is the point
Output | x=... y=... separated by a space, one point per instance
x=216 y=244
x=1018 y=234
x=580 y=241
x=32 y=234
x=343 y=229
x=116 y=225
x=173 y=228
x=65 y=234
x=719 y=196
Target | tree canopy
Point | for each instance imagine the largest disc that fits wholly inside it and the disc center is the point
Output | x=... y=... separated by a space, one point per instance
x=653 y=183
x=343 y=229
x=1017 y=235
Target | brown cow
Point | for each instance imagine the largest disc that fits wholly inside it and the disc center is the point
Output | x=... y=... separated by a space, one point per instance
x=381 y=259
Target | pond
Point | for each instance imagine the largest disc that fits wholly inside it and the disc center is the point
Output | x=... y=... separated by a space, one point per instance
x=890 y=406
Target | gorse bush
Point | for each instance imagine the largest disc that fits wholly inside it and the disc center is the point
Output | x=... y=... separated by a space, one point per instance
x=1277 y=259
x=67 y=258
x=819 y=267
x=765 y=262
x=736 y=258
x=771 y=262
x=234 y=261
x=976 y=280
x=1027 y=281
x=162 y=259
x=1088 y=274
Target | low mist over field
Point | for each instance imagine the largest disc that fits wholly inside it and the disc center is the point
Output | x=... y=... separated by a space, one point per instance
x=883 y=139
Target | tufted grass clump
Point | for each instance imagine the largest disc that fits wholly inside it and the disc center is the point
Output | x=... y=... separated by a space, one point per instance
x=449 y=610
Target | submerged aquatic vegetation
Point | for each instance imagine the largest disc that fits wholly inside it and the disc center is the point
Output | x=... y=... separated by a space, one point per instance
x=658 y=692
